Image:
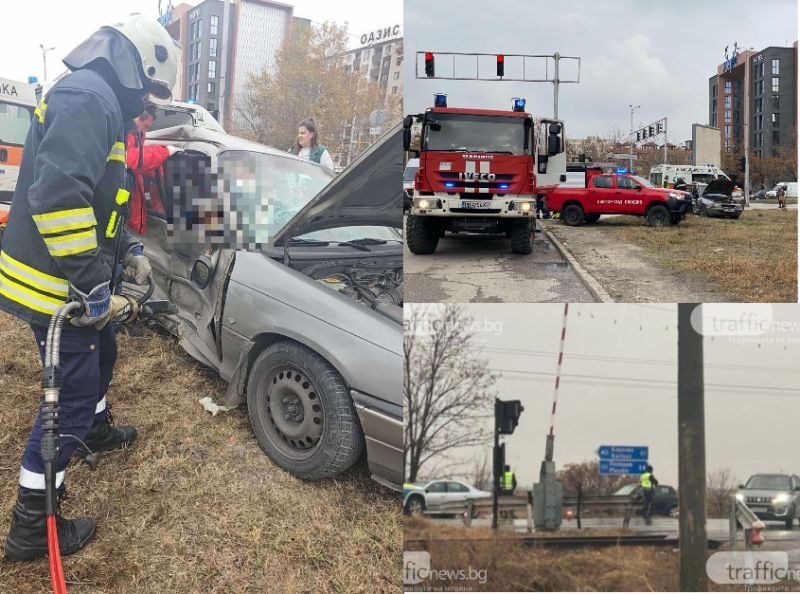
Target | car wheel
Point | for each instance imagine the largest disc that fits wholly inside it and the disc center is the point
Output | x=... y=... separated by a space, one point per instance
x=422 y=235
x=591 y=218
x=522 y=237
x=672 y=512
x=658 y=215
x=573 y=215
x=302 y=413
x=415 y=505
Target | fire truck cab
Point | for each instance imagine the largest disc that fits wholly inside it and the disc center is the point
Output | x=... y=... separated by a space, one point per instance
x=480 y=171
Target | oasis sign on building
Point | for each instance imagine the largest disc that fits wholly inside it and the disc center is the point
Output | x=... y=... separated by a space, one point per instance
x=380 y=35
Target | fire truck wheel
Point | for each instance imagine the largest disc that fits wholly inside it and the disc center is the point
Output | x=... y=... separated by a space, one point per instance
x=591 y=218
x=658 y=216
x=422 y=235
x=573 y=215
x=522 y=237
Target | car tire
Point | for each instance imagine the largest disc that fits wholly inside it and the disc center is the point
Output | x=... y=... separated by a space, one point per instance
x=573 y=215
x=522 y=237
x=415 y=505
x=658 y=215
x=591 y=217
x=318 y=435
x=422 y=235
x=672 y=512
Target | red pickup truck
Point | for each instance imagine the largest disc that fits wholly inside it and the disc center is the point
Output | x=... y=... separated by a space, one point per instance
x=607 y=193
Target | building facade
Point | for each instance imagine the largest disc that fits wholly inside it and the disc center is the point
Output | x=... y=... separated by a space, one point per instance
x=756 y=95
x=378 y=60
x=223 y=43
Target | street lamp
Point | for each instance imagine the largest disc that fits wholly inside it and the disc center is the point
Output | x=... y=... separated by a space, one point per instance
x=44 y=59
x=631 y=156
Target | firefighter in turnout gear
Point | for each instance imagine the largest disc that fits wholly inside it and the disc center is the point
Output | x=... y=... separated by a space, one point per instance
x=65 y=240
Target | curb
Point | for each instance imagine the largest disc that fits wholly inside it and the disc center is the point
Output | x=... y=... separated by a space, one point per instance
x=591 y=283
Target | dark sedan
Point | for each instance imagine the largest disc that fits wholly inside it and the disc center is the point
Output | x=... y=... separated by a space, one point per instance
x=665 y=501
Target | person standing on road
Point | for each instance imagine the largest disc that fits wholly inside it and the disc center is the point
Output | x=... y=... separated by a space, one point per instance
x=781 y=195
x=680 y=184
x=542 y=212
x=65 y=240
x=308 y=147
x=648 y=483
x=508 y=482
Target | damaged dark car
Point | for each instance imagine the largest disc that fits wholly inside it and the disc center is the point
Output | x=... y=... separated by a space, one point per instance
x=289 y=283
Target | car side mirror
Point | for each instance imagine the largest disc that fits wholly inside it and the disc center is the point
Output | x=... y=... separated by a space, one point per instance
x=406 y=138
x=741 y=486
x=202 y=271
x=797 y=488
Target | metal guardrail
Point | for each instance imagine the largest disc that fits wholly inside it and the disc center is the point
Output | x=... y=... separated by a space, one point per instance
x=511 y=504
x=567 y=542
x=749 y=521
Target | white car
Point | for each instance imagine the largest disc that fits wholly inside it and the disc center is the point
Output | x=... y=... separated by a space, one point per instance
x=426 y=498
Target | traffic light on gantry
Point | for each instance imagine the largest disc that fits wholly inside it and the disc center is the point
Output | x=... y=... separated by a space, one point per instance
x=429 y=72
x=501 y=65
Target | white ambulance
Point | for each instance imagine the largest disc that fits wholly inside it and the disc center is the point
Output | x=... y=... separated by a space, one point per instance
x=17 y=102
x=665 y=176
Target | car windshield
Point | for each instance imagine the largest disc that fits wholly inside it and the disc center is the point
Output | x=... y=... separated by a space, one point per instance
x=642 y=181
x=703 y=178
x=474 y=133
x=768 y=482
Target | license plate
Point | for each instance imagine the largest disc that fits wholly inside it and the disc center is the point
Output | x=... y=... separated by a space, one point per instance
x=476 y=204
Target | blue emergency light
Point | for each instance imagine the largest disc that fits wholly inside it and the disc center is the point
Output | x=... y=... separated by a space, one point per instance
x=621 y=170
x=449 y=185
x=519 y=104
x=503 y=186
x=33 y=80
x=440 y=100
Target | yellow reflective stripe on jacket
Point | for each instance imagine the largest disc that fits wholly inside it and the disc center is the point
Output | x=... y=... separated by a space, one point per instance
x=58 y=222
x=73 y=243
x=28 y=297
x=40 y=110
x=122 y=196
x=34 y=278
x=644 y=480
x=117 y=152
x=111 y=228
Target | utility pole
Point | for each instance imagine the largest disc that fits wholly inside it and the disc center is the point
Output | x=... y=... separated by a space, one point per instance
x=630 y=168
x=223 y=71
x=44 y=59
x=691 y=451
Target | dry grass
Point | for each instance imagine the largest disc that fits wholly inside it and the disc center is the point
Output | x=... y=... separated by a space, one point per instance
x=195 y=506
x=513 y=567
x=754 y=259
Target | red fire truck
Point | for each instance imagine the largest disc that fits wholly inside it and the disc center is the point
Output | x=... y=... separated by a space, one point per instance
x=480 y=171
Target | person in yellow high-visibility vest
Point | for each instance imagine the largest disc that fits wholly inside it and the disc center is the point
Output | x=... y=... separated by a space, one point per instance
x=648 y=483
x=508 y=482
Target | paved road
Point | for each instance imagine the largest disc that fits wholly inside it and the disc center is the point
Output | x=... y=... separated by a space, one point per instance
x=479 y=269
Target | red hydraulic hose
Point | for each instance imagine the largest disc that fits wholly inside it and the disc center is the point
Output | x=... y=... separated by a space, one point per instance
x=54 y=553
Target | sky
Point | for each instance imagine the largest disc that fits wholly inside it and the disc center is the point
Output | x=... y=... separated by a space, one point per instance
x=657 y=54
x=619 y=383
x=55 y=23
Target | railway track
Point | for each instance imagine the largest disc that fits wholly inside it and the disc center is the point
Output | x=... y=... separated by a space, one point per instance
x=566 y=542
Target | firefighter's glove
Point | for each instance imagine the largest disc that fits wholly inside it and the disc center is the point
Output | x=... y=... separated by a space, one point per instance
x=136 y=268
x=95 y=306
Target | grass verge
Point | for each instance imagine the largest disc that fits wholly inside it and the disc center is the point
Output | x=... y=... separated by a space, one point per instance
x=195 y=505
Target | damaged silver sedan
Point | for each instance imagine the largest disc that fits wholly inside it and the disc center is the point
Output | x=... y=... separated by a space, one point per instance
x=289 y=284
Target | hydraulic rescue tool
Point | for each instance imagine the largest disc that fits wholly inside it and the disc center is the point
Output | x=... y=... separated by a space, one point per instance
x=124 y=309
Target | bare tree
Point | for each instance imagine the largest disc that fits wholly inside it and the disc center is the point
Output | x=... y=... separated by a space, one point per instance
x=482 y=471
x=448 y=387
x=720 y=487
x=587 y=475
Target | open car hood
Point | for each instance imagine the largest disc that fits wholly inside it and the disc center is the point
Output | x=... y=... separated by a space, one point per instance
x=368 y=192
x=719 y=186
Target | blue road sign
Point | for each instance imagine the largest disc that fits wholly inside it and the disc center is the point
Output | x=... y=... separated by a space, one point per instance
x=623 y=452
x=622 y=466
